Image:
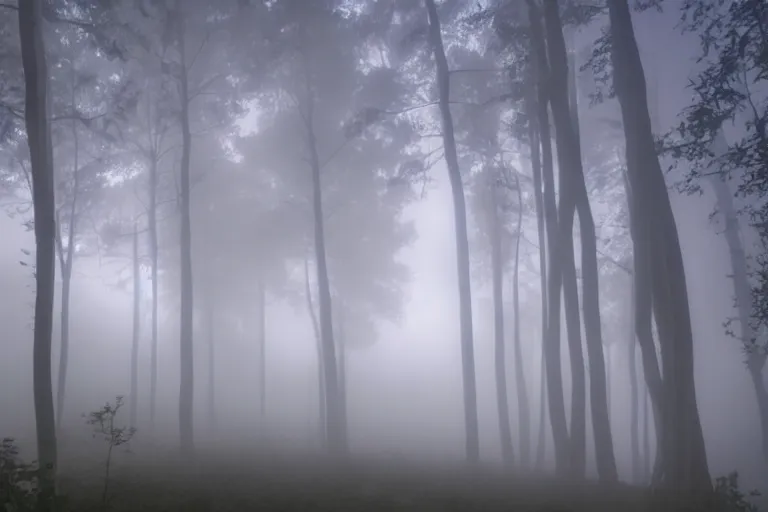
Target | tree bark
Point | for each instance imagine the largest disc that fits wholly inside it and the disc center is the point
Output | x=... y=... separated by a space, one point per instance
x=133 y=404
x=462 y=241
x=553 y=372
x=500 y=361
x=320 y=357
x=522 y=388
x=186 y=390
x=569 y=158
x=533 y=138
x=36 y=116
x=685 y=465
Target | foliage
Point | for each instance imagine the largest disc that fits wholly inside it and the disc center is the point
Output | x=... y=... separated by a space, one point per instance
x=18 y=480
x=734 y=499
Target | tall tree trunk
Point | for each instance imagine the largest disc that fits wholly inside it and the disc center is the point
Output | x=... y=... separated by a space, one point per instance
x=646 y=438
x=462 y=241
x=261 y=318
x=608 y=378
x=500 y=360
x=36 y=116
x=524 y=407
x=320 y=358
x=186 y=390
x=336 y=414
x=153 y=255
x=569 y=158
x=634 y=412
x=533 y=138
x=341 y=352
x=133 y=405
x=553 y=372
x=66 y=262
x=742 y=290
x=685 y=465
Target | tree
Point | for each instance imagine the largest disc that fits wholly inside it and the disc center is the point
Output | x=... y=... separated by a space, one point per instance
x=36 y=117
x=658 y=260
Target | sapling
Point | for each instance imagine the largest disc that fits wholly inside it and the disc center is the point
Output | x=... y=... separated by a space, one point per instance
x=103 y=422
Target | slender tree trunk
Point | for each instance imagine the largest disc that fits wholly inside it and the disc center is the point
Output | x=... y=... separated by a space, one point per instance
x=553 y=372
x=36 y=116
x=210 y=323
x=608 y=378
x=133 y=405
x=500 y=361
x=681 y=438
x=533 y=137
x=646 y=438
x=336 y=414
x=341 y=353
x=320 y=358
x=569 y=158
x=66 y=283
x=741 y=289
x=522 y=388
x=462 y=241
x=186 y=390
x=634 y=410
x=262 y=368
x=153 y=254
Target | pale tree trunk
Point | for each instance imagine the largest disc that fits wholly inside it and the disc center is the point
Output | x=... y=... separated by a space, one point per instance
x=261 y=318
x=336 y=414
x=554 y=376
x=341 y=352
x=462 y=241
x=569 y=158
x=66 y=262
x=634 y=410
x=153 y=255
x=646 y=438
x=533 y=138
x=741 y=289
x=320 y=358
x=684 y=464
x=186 y=390
x=523 y=405
x=133 y=405
x=36 y=117
x=210 y=324
x=500 y=361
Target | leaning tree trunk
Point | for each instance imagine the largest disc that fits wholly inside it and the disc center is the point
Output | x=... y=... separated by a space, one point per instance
x=500 y=360
x=133 y=404
x=319 y=347
x=524 y=407
x=533 y=139
x=741 y=289
x=336 y=414
x=569 y=158
x=553 y=372
x=186 y=390
x=38 y=129
x=462 y=240
x=685 y=465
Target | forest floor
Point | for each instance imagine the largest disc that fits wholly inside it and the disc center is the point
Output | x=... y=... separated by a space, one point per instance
x=276 y=484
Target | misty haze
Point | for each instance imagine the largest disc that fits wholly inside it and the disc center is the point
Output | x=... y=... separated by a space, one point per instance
x=383 y=255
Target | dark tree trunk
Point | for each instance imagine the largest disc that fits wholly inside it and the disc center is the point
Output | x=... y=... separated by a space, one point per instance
x=522 y=388
x=186 y=389
x=320 y=358
x=500 y=360
x=36 y=117
x=133 y=405
x=634 y=411
x=569 y=158
x=462 y=241
x=533 y=138
x=553 y=372
x=684 y=465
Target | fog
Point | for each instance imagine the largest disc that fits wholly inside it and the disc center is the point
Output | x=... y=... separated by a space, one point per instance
x=404 y=391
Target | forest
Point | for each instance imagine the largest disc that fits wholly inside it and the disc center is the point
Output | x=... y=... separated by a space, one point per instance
x=383 y=255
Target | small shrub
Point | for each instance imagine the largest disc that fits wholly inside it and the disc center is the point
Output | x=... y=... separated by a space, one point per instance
x=18 y=480
x=733 y=498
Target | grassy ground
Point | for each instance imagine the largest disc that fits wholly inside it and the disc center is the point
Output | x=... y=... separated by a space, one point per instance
x=266 y=484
